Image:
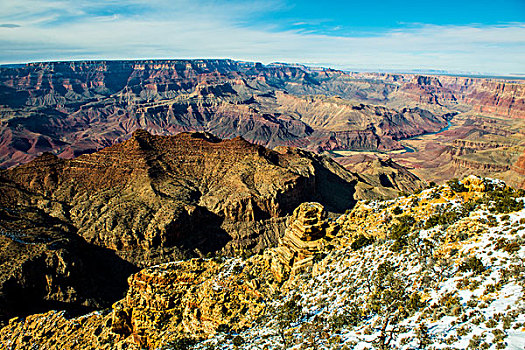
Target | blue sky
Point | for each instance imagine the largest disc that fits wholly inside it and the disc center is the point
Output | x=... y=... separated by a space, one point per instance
x=458 y=36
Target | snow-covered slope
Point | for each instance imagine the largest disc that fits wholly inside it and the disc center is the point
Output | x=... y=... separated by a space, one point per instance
x=451 y=286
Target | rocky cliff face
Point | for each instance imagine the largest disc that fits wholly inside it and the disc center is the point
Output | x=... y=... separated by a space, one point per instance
x=472 y=164
x=150 y=200
x=72 y=108
x=485 y=96
x=307 y=233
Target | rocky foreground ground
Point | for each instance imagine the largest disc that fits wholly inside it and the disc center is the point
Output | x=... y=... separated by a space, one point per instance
x=442 y=269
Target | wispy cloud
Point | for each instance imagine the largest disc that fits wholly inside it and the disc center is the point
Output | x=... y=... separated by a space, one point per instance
x=67 y=29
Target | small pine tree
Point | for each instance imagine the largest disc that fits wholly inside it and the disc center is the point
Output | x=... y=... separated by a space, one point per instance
x=422 y=336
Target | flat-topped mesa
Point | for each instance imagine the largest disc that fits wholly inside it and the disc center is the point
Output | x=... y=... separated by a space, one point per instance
x=306 y=235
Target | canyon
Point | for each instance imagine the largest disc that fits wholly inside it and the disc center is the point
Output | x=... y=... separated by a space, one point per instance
x=328 y=282
x=165 y=203
x=150 y=200
x=73 y=108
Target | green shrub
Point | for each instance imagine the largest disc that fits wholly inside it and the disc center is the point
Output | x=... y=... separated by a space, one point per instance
x=337 y=322
x=445 y=218
x=475 y=342
x=501 y=243
x=512 y=247
x=400 y=232
x=474 y=284
x=223 y=328
x=450 y=216
x=237 y=340
x=180 y=344
x=463 y=330
x=473 y=264
x=456 y=186
x=422 y=336
x=491 y=323
x=414 y=302
x=319 y=256
x=397 y=211
x=507 y=320
x=361 y=241
x=291 y=310
x=502 y=200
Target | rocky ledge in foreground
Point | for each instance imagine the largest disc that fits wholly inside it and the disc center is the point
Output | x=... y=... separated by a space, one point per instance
x=439 y=269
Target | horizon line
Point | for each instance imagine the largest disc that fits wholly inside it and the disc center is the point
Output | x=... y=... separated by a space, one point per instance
x=412 y=71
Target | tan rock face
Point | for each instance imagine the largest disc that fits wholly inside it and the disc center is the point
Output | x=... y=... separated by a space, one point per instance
x=474 y=184
x=191 y=298
x=520 y=168
x=186 y=299
x=307 y=234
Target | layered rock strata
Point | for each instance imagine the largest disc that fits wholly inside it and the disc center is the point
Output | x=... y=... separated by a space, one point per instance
x=72 y=108
x=305 y=238
x=150 y=200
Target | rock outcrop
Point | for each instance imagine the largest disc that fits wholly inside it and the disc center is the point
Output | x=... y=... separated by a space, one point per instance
x=150 y=200
x=175 y=185
x=306 y=235
x=191 y=299
x=172 y=303
x=472 y=164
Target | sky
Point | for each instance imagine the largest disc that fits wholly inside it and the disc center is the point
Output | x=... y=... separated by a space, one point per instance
x=460 y=36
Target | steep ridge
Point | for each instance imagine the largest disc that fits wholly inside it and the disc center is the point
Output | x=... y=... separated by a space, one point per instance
x=172 y=184
x=150 y=200
x=382 y=172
